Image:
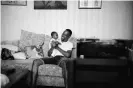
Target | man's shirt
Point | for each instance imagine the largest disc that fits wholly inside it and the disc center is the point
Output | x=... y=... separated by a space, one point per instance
x=64 y=46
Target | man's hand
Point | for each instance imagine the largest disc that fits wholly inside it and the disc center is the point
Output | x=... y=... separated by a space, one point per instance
x=55 y=44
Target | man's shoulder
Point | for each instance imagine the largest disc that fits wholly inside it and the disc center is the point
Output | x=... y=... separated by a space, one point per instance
x=69 y=43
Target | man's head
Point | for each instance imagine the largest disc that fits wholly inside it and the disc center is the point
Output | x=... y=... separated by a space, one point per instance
x=54 y=35
x=66 y=35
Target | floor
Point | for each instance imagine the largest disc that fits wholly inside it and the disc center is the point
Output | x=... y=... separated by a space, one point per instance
x=22 y=83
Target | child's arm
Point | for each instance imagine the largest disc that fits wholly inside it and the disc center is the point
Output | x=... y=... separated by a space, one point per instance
x=57 y=42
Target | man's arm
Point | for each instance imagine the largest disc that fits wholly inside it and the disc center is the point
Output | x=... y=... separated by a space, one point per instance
x=65 y=53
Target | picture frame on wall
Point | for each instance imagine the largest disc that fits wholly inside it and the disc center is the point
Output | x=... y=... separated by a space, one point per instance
x=50 y=5
x=90 y=4
x=14 y=2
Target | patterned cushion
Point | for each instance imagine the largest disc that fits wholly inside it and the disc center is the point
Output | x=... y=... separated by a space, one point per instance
x=50 y=81
x=50 y=70
x=30 y=38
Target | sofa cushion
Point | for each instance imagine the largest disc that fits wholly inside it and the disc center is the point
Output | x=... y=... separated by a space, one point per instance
x=50 y=81
x=30 y=38
x=50 y=70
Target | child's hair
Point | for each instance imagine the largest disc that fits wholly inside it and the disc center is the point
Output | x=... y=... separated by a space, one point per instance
x=52 y=33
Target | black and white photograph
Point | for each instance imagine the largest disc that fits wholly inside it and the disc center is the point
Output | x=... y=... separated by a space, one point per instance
x=50 y=4
x=66 y=44
x=90 y=4
x=14 y=2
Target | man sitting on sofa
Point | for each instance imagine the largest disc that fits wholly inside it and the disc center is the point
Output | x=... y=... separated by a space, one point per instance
x=63 y=50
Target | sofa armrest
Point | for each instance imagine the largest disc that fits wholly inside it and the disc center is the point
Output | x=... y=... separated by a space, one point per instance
x=16 y=63
x=67 y=70
x=131 y=54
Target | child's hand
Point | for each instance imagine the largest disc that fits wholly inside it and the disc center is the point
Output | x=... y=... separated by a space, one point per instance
x=38 y=46
x=57 y=42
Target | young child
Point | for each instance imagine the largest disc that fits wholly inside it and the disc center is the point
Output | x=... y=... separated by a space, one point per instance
x=54 y=38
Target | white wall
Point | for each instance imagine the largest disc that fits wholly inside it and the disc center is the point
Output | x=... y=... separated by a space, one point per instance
x=114 y=20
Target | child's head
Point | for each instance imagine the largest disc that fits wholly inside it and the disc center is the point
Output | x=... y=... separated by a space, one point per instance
x=54 y=35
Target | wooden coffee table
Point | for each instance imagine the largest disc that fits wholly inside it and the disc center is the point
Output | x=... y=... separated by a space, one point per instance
x=16 y=76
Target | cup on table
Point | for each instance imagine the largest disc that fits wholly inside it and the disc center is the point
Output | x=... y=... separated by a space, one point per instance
x=82 y=56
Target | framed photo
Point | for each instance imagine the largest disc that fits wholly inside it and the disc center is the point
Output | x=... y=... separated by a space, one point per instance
x=51 y=4
x=14 y=2
x=90 y=4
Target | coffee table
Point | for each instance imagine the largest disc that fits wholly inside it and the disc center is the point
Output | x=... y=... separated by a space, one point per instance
x=16 y=76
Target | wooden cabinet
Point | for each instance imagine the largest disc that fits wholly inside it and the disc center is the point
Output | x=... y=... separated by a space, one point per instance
x=98 y=49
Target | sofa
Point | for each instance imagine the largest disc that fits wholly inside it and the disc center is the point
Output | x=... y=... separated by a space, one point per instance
x=48 y=74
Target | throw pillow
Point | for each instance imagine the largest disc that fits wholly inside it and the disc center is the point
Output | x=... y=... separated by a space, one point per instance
x=30 y=38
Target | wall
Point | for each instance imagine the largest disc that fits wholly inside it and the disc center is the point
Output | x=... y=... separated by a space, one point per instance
x=114 y=20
